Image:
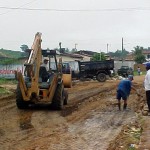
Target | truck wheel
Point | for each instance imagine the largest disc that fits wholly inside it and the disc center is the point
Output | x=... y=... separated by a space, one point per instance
x=65 y=97
x=21 y=104
x=57 y=102
x=101 y=77
x=129 y=72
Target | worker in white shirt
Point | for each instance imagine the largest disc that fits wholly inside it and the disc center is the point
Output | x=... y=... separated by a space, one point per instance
x=44 y=72
x=147 y=85
x=45 y=64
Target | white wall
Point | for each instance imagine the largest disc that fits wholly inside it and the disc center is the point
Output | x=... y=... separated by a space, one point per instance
x=8 y=71
x=67 y=58
x=86 y=58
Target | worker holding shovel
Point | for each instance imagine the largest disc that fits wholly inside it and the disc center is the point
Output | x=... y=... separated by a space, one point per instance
x=123 y=91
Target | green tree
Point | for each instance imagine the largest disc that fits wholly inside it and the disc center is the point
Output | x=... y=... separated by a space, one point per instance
x=98 y=56
x=67 y=50
x=73 y=50
x=139 y=57
x=56 y=49
x=138 y=50
x=119 y=54
x=24 y=52
x=24 y=47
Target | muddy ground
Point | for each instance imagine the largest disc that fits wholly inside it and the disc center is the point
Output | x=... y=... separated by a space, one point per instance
x=90 y=121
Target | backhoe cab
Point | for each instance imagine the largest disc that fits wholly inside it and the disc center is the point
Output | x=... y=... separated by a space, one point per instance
x=39 y=85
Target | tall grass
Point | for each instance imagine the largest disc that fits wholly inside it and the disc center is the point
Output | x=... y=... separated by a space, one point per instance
x=7 y=81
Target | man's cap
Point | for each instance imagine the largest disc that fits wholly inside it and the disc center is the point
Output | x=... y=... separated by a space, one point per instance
x=46 y=59
x=130 y=77
x=148 y=64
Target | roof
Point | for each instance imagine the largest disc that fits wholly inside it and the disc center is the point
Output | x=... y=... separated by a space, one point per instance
x=86 y=53
x=71 y=55
x=146 y=51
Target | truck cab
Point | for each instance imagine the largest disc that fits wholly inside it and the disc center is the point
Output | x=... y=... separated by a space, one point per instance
x=125 y=71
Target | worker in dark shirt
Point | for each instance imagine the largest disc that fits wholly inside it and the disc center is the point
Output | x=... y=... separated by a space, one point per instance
x=123 y=91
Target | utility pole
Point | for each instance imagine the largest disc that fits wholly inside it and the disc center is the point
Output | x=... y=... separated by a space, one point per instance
x=76 y=47
x=60 y=47
x=100 y=57
x=107 y=48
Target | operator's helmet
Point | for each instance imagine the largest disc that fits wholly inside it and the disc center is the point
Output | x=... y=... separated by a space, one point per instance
x=130 y=77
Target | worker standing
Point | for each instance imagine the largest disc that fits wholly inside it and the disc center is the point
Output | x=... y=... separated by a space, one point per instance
x=123 y=91
x=147 y=85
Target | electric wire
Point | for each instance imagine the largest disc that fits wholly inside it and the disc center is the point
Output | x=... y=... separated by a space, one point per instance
x=78 y=10
x=15 y=7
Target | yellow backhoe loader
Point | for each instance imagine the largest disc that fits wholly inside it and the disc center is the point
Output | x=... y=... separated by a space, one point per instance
x=38 y=85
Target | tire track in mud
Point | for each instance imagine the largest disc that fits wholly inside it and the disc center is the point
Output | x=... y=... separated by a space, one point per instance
x=100 y=128
x=77 y=99
x=13 y=134
x=94 y=132
x=90 y=121
x=10 y=124
x=19 y=140
x=7 y=103
x=21 y=128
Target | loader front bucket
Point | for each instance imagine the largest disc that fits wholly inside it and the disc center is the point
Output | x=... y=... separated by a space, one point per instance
x=67 y=80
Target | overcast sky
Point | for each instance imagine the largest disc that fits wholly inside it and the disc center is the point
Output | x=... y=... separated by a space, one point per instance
x=91 y=24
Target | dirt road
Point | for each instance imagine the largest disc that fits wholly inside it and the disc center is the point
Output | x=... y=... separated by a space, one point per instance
x=90 y=121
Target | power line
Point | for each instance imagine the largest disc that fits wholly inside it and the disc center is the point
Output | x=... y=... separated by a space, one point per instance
x=16 y=7
x=78 y=10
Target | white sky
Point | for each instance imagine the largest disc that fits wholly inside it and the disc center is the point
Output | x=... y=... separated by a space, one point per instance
x=107 y=23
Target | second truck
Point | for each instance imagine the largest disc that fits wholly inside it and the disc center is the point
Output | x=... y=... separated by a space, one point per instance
x=98 y=70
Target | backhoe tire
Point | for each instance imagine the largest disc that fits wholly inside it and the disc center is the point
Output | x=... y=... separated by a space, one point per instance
x=65 y=97
x=101 y=77
x=21 y=104
x=57 y=102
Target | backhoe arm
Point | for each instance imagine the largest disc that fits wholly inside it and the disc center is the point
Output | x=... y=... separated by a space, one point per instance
x=32 y=69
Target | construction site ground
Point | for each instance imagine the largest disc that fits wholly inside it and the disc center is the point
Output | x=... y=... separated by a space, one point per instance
x=90 y=121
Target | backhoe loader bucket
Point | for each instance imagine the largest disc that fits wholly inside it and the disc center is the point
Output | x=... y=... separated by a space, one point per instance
x=67 y=80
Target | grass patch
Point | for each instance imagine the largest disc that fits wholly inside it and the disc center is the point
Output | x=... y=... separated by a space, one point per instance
x=7 y=81
x=4 y=91
x=142 y=73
